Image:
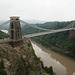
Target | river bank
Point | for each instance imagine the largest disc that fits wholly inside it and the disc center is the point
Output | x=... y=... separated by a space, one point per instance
x=51 y=51
x=68 y=63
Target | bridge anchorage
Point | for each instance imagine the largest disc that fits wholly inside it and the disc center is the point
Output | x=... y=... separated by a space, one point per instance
x=15 y=31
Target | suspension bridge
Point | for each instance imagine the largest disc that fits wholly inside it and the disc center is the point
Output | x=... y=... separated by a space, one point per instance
x=15 y=29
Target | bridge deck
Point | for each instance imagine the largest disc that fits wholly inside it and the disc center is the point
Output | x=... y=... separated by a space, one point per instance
x=47 y=32
x=36 y=34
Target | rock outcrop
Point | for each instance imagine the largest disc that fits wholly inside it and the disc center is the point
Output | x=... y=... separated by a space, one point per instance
x=20 y=60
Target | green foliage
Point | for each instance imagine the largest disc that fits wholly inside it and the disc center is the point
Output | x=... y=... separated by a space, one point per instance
x=49 y=70
x=3 y=35
x=44 y=72
x=29 y=44
x=54 y=25
x=58 y=42
x=2 y=71
x=2 y=64
x=35 y=57
x=23 y=67
x=29 y=30
x=48 y=25
x=0 y=55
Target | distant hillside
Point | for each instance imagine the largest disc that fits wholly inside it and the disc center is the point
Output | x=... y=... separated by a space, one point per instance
x=3 y=35
x=2 y=21
x=5 y=27
x=58 y=42
x=54 y=25
x=29 y=30
x=29 y=21
x=35 y=21
x=48 y=25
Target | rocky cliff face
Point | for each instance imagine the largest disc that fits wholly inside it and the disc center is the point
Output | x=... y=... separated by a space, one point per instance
x=20 y=60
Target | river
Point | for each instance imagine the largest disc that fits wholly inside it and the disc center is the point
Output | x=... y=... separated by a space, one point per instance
x=5 y=31
x=62 y=65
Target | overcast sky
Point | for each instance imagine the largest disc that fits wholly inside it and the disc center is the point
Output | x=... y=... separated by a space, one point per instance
x=46 y=10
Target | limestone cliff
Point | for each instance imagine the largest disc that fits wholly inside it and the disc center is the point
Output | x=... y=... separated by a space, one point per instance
x=19 y=60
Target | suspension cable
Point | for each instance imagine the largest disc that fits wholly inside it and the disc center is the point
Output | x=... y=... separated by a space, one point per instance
x=33 y=25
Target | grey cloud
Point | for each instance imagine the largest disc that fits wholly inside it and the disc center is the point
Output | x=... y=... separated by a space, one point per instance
x=38 y=9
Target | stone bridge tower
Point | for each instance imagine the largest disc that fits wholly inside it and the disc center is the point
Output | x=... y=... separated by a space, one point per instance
x=15 y=28
x=72 y=33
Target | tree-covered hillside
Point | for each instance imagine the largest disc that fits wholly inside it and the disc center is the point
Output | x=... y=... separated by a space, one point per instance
x=58 y=42
x=29 y=30
x=48 y=25
x=3 y=35
x=54 y=25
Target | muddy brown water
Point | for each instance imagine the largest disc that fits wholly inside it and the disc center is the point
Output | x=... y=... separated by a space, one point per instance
x=62 y=65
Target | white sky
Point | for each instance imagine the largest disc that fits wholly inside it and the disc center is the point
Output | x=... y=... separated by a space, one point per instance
x=47 y=10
